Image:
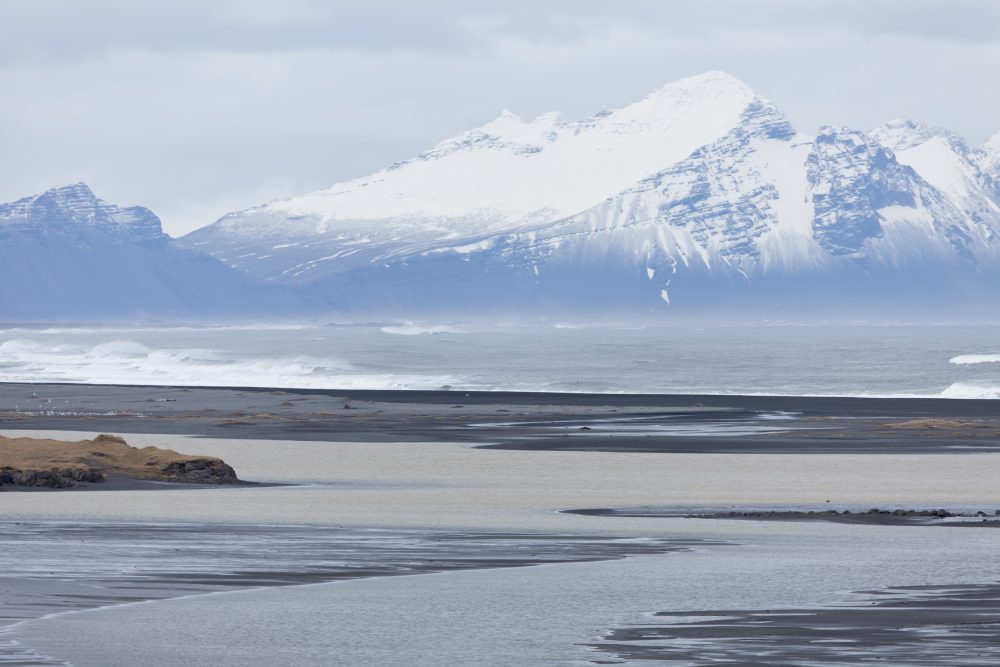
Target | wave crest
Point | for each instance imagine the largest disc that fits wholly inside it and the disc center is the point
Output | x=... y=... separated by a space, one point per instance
x=972 y=390
x=131 y=362
x=966 y=359
x=414 y=330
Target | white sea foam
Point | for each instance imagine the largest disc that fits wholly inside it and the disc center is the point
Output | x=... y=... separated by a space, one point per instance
x=972 y=390
x=76 y=331
x=415 y=330
x=130 y=362
x=794 y=361
x=966 y=359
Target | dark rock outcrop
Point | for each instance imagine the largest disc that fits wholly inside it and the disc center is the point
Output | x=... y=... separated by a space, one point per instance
x=55 y=464
x=55 y=478
x=200 y=471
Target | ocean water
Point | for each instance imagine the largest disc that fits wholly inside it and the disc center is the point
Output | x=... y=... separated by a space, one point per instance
x=931 y=361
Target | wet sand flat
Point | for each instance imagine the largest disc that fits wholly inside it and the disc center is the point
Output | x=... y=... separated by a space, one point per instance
x=49 y=568
x=402 y=483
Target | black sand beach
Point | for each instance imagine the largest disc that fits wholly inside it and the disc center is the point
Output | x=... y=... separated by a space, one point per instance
x=509 y=420
x=921 y=625
x=967 y=518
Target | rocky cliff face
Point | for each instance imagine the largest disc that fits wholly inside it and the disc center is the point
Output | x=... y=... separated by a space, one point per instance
x=199 y=471
x=55 y=478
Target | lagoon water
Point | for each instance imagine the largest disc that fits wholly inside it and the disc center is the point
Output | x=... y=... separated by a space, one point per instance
x=549 y=614
x=842 y=360
x=544 y=615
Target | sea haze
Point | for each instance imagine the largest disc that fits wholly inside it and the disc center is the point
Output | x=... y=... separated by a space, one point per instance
x=941 y=361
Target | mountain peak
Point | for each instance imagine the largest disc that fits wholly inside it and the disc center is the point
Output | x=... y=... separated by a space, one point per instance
x=712 y=83
x=993 y=142
x=79 y=186
x=75 y=206
x=991 y=150
x=901 y=134
x=73 y=191
x=508 y=125
x=705 y=99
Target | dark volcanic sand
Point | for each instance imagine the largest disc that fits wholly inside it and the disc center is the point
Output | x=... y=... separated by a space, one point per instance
x=872 y=517
x=926 y=625
x=124 y=483
x=509 y=420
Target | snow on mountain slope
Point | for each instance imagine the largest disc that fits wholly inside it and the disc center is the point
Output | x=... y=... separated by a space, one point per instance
x=762 y=211
x=944 y=160
x=542 y=167
x=988 y=160
x=873 y=209
x=731 y=204
x=505 y=175
x=65 y=254
x=990 y=156
x=762 y=199
x=760 y=203
x=700 y=198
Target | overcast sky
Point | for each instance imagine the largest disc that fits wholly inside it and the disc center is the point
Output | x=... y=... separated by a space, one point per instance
x=196 y=108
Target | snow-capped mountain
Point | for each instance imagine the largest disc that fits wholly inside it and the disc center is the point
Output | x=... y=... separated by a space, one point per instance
x=65 y=254
x=959 y=174
x=508 y=174
x=700 y=198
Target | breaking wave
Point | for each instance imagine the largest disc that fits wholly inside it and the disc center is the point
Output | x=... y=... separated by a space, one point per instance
x=972 y=390
x=429 y=356
x=283 y=326
x=130 y=362
x=967 y=359
x=414 y=330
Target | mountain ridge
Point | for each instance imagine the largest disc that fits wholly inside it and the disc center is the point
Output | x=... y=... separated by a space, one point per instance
x=67 y=255
x=700 y=199
x=753 y=204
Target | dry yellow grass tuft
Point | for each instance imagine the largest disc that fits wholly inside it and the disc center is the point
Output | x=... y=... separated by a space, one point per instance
x=932 y=423
x=42 y=462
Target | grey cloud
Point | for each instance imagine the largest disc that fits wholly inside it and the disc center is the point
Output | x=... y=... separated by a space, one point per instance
x=199 y=108
x=65 y=29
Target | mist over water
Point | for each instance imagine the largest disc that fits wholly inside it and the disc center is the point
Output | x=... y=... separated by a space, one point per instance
x=938 y=361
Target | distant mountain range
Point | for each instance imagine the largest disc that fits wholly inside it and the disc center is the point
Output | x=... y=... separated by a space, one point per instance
x=67 y=255
x=699 y=200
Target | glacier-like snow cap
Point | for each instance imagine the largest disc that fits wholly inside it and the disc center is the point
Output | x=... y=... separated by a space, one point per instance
x=510 y=173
